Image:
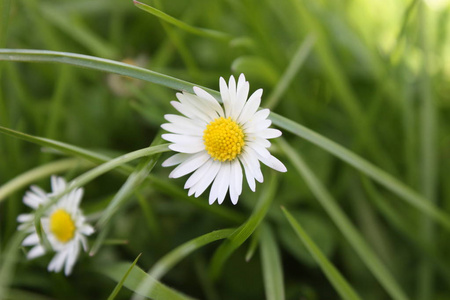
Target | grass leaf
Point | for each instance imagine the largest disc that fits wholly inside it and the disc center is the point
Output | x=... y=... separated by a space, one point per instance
x=121 y=282
x=240 y=235
x=350 y=233
x=182 y=25
x=334 y=276
x=271 y=265
x=158 y=291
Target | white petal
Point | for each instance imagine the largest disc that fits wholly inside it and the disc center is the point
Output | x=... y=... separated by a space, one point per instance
x=57 y=262
x=248 y=173
x=256 y=127
x=87 y=229
x=220 y=184
x=32 y=239
x=23 y=218
x=74 y=199
x=254 y=139
x=235 y=181
x=203 y=183
x=261 y=114
x=273 y=163
x=192 y=163
x=198 y=174
x=232 y=94
x=33 y=200
x=188 y=110
x=39 y=192
x=224 y=93
x=183 y=129
x=250 y=107
x=71 y=258
x=183 y=121
x=36 y=252
x=175 y=159
x=260 y=150
x=251 y=158
x=58 y=184
x=270 y=133
x=241 y=97
x=211 y=100
x=201 y=106
x=241 y=80
x=181 y=138
x=83 y=241
x=187 y=148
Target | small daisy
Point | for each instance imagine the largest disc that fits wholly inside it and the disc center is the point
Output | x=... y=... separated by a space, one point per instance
x=216 y=142
x=63 y=223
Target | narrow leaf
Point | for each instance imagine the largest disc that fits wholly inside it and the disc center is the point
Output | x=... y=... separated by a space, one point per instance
x=157 y=291
x=347 y=229
x=122 y=281
x=271 y=265
x=334 y=276
x=44 y=171
x=167 y=262
x=240 y=235
x=182 y=25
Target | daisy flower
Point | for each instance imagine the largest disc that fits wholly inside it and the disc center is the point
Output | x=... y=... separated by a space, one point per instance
x=63 y=222
x=219 y=144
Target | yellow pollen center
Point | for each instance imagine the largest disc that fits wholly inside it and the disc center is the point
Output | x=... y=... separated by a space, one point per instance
x=223 y=139
x=62 y=226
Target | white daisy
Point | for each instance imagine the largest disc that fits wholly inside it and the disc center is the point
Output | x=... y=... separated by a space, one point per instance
x=215 y=142
x=64 y=225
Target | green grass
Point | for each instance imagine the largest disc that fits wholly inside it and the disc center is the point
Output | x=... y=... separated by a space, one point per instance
x=360 y=90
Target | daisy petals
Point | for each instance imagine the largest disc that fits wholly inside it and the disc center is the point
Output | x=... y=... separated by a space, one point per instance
x=189 y=165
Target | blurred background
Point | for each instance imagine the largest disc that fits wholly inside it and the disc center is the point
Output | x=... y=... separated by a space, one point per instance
x=373 y=76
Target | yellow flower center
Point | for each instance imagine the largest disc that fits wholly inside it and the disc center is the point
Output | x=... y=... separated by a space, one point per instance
x=223 y=139
x=62 y=225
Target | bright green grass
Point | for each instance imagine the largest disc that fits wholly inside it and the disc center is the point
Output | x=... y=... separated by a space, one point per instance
x=360 y=90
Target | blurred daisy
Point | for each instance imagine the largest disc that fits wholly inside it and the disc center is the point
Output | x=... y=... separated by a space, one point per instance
x=63 y=223
x=216 y=142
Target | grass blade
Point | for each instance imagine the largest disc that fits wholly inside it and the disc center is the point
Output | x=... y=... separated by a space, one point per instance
x=271 y=265
x=121 y=282
x=8 y=260
x=132 y=183
x=96 y=63
x=294 y=65
x=162 y=266
x=366 y=254
x=60 y=146
x=162 y=185
x=180 y=24
x=240 y=235
x=341 y=285
x=382 y=177
x=158 y=290
x=27 y=178
x=171 y=259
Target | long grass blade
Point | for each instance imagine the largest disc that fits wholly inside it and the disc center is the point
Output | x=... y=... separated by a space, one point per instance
x=240 y=235
x=166 y=263
x=366 y=254
x=341 y=285
x=271 y=265
x=121 y=282
x=182 y=25
x=404 y=192
x=388 y=181
x=132 y=183
x=44 y=171
x=158 y=290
